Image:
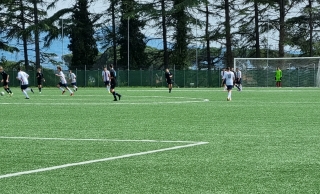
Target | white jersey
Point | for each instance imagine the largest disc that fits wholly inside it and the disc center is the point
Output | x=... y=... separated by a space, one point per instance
x=62 y=78
x=23 y=77
x=238 y=74
x=106 y=75
x=229 y=77
x=222 y=73
x=73 y=78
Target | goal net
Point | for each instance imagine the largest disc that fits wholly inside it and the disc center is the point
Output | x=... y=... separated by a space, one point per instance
x=296 y=72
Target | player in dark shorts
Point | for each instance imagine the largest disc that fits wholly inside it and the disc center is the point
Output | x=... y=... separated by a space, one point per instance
x=168 y=75
x=113 y=83
x=40 y=78
x=5 y=81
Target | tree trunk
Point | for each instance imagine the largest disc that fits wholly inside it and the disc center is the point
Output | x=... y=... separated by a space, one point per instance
x=164 y=35
x=256 y=22
x=282 y=28
x=229 y=57
x=24 y=36
x=36 y=34
x=311 y=28
x=208 y=46
x=114 y=38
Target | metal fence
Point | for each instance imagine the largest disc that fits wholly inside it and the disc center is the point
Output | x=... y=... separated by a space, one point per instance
x=182 y=78
x=132 y=78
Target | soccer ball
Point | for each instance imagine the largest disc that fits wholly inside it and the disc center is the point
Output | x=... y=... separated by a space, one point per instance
x=2 y=93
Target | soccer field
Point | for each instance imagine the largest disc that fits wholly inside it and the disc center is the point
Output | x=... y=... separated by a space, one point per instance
x=266 y=140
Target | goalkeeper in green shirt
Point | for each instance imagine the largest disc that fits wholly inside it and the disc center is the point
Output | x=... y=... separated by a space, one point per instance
x=278 y=77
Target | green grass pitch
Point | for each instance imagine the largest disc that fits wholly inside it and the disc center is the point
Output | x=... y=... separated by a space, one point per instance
x=266 y=140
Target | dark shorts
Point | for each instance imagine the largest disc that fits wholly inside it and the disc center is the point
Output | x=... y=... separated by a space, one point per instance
x=239 y=81
x=229 y=87
x=169 y=81
x=4 y=83
x=62 y=85
x=23 y=87
x=39 y=82
x=224 y=82
x=106 y=83
x=74 y=83
x=113 y=85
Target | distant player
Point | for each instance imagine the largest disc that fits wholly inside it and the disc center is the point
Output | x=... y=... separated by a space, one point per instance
x=40 y=78
x=24 y=83
x=5 y=81
x=169 y=76
x=73 y=79
x=106 y=78
x=223 y=81
x=238 y=79
x=113 y=82
x=63 y=82
x=278 y=77
x=229 y=78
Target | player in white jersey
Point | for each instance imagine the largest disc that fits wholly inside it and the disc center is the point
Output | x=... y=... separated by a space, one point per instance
x=229 y=79
x=73 y=79
x=223 y=81
x=24 y=83
x=63 y=82
x=106 y=78
x=238 y=79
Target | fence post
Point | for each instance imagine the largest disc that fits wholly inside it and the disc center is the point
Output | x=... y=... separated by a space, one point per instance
x=140 y=77
x=85 y=75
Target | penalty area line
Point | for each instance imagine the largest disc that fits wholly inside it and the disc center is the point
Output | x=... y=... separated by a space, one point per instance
x=99 y=160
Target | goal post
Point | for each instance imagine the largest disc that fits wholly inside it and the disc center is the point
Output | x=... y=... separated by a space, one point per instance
x=296 y=71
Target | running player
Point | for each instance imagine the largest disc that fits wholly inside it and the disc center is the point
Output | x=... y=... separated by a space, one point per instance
x=5 y=81
x=73 y=79
x=169 y=76
x=113 y=82
x=40 y=78
x=63 y=82
x=106 y=78
x=24 y=83
x=223 y=81
x=229 y=78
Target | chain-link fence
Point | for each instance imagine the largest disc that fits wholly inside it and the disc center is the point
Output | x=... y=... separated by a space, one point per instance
x=146 y=78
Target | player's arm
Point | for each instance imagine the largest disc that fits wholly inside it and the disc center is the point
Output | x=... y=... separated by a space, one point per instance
x=7 y=78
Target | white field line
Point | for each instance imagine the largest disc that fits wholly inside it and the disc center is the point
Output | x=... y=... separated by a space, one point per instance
x=108 y=140
x=103 y=103
x=98 y=160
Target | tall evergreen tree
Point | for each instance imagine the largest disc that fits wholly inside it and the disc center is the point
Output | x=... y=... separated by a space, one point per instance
x=132 y=37
x=181 y=36
x=82 y=42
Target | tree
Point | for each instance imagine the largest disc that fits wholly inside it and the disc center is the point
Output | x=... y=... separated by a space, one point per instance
x=82 y=42
x=130 y=35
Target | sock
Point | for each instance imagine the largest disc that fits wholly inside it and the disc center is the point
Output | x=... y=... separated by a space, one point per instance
x=61 y=89
x=108 y=88
x=238 y=87
x=69 y=90
x=40 y=89
x=25 y=93
x=118 y=94
x=229 y=94
x=7 y=90
x=114 y=95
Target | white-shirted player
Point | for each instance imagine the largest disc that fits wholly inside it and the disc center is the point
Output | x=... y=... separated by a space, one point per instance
x=73 y=79
x=106 y=78
x=229 y=78
x=63 y=82
x=238 y=79
x=24 y=83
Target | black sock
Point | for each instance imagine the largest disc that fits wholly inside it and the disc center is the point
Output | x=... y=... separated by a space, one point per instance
x=114 y=95
x=118 y=94
x=39 y=89
x=7 y=90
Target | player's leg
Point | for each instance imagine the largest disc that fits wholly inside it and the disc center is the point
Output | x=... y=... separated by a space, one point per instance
x=229 y=89
x=66 y=87
x=60 y=87
x=24 y=91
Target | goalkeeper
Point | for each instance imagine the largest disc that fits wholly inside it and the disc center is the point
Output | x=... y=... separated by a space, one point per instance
x=278 y=77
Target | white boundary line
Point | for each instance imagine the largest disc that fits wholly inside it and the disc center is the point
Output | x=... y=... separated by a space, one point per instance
x=88 y=139
x=98 y=160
